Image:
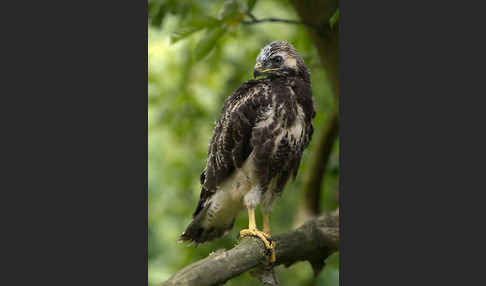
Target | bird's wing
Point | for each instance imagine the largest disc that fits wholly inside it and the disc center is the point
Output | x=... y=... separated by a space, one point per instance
x=230 y=145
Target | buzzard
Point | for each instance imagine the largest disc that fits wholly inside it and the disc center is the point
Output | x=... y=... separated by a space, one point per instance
x=257 y=145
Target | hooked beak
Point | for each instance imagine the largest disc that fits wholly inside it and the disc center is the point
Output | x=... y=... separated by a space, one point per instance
x=256 y=73
x=257 y=70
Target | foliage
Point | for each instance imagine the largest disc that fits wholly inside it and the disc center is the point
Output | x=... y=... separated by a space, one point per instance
x=198 y=54
x=330 y=274
x=334 y=19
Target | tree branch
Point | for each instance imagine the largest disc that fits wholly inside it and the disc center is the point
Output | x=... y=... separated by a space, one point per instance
x=314 y=242
x=254 y=20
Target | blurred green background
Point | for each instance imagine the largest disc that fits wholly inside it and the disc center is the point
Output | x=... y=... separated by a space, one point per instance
x=188 y=80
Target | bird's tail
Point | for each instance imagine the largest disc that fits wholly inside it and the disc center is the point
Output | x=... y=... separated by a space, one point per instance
x=200 y=230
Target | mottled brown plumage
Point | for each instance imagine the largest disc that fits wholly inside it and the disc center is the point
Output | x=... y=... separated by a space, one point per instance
x=257 y=143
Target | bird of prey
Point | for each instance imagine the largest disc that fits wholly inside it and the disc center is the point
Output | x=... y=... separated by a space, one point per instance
x=257 y=145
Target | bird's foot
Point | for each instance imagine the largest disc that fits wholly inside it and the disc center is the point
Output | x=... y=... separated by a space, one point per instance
x=265 y=237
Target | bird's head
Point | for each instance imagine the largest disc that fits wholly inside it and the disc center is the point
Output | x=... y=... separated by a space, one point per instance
x=280 y=58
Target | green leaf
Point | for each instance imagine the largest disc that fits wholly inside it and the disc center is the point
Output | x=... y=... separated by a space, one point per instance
x=329 y=276
x=156 y=13
x=193 y=25
x=251 y=4
x=229 y=11
x=334 y=18
x=207 y=43
x=332 y=260
x=181 y=34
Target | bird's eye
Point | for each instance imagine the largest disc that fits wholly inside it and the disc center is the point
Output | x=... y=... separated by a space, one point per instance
x=277 y=59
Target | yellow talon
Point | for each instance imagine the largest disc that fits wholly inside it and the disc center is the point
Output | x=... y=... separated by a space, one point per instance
x=270 y=245
x=273 y=258
x=255 y=232
x=263 y=235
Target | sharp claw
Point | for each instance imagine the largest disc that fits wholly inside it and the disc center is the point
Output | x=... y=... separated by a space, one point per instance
x=266 y=238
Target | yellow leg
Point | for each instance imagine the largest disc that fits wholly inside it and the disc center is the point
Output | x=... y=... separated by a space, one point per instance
x=263 y=235
x=251 y=219
x=266 y=230
x=266 y=223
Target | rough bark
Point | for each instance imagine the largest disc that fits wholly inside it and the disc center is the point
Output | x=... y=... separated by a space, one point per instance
x=314 y=242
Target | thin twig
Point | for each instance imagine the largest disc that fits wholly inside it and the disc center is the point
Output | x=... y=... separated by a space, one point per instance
x=254 y=20
x=251 y=16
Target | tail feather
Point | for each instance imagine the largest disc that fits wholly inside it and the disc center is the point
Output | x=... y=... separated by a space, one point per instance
x=198 y=232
